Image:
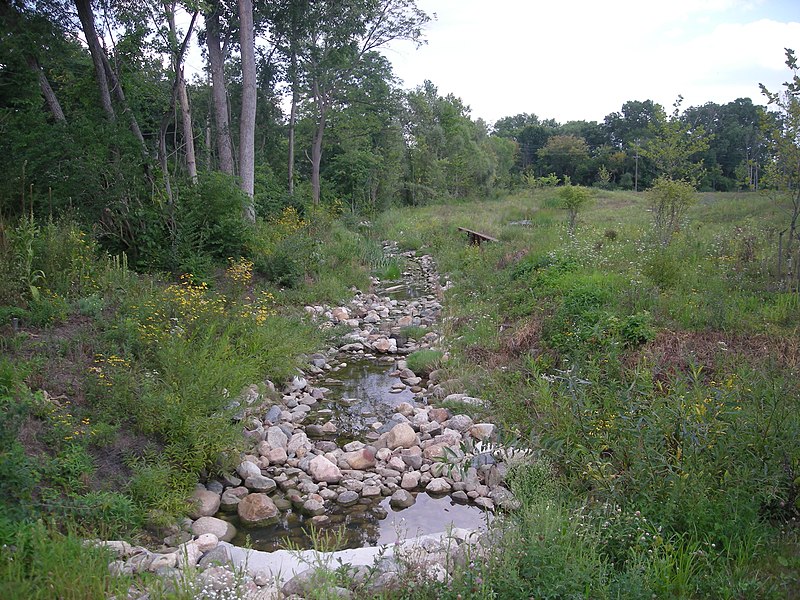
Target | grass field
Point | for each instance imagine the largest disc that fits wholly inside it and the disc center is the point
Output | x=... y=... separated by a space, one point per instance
x=657 y=385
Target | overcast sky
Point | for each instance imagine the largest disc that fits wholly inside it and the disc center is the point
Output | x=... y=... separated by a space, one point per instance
x=582 y=59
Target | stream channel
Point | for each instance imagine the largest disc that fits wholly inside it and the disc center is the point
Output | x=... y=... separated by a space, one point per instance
x=361 y=392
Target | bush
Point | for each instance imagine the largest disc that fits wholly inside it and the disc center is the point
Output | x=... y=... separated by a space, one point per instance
x=422 y=362
x=669 y=200
x=573 y=199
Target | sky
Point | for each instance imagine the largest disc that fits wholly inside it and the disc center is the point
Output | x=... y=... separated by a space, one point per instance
x=583 y=59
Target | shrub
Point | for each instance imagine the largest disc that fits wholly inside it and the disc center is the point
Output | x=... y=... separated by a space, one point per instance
x=573 y=199
x=669 y=200
x=422 y=362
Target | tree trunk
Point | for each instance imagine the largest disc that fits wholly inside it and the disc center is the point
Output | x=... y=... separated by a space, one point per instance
x=87 y=23
x=47 y=91
x=188 y=133
x=116 y=87
x=219 y=95
x=293 y=119
x=247 y=125
x=316 y=144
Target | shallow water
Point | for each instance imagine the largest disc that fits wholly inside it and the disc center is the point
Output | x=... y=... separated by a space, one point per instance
x=366 y=524
x=360 y=395
x=363 y=393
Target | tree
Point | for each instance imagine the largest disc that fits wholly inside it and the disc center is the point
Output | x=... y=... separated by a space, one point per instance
x=340 y=33
x=564 y=154
x=219 y=91
x=783 y=172
x=247 y=121
x=669 y=200
x=573 y=199
x=674 y=147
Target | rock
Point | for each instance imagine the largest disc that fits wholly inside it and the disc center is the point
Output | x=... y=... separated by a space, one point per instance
x=412 y=457
x=273 y=414
x=160 y=561
x=371 y=491
x=340 y=314
x=231 y=498
x=405 y=409
x=257 y=509
x=204 y=504
x=434 y=451
x=410 y=480
x=313 y=507
x=189 y=553
x=402 y=499
x=308 y=582
x=360 y=459
x=484 y=503
x=460 y=496
x=482 y=431
x=460 y=422
x=215 y=580
x=396 y=463
x=298 y=441
x=438 y=486
x=260 y=483
x=440 y=415
x=222 y=529
x=405 y=321
x=248 y=469
x=347 y=498
x=276 y=437
x=298 y=383
x=277 y=456
x=401 y=435
x=321 y=469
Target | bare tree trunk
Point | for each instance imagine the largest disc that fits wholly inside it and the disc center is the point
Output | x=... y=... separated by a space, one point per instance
x=188 y=133
x=293 y=120
x=247 y=124
x=87 y=23
x=219 y=94
x=49 y=95
x=316 y=145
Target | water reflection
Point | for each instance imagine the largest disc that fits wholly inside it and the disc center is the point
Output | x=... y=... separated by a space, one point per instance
x=365 y=524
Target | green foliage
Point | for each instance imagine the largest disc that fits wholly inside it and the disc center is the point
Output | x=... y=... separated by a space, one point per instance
x=573 y=199
x=39 y=560
x=422 y=362
x=669 y=201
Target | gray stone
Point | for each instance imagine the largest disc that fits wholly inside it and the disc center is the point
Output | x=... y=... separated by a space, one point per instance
x=260 y=483
x=248 y=469
x=217 y=556
x=410 y=480
x=222 y=529
x=204 y=504
x=276 y=437
x=347 y=498
x=402 y=499
x=438 y=486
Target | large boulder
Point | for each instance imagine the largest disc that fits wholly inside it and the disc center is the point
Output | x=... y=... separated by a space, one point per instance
x=401 y=435
x=204 y=504
x=360 y=459
x=321 y=469
x=257 y=509
x=402 y=499
x=248 y=469
x=222 y=529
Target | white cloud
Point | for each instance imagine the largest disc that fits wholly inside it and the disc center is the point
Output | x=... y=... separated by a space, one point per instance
x=581 y=60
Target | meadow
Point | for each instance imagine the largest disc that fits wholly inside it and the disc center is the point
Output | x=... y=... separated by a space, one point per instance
x=654 y=384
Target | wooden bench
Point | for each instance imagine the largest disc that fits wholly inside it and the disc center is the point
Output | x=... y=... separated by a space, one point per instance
x=476 y=238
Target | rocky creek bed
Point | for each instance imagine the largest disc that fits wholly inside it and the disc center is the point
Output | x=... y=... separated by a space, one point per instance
x=355 y=447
